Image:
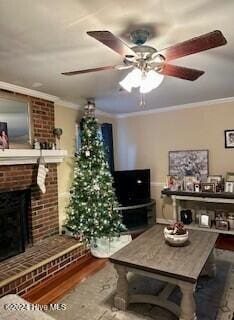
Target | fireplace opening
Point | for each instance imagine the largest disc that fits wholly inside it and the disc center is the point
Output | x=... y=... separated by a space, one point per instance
x=14 y=229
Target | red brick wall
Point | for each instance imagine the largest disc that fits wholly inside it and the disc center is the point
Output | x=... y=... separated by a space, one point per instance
x=42 y=119
x=43 y=215
x=49 y=270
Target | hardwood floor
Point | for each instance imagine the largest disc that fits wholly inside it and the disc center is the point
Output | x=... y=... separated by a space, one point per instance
x=53 y=289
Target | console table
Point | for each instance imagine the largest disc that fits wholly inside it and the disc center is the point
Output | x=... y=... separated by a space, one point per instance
x=149 y=209
x=207 y=197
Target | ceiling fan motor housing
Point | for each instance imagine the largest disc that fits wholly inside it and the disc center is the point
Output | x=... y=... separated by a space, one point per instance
x=139 y=37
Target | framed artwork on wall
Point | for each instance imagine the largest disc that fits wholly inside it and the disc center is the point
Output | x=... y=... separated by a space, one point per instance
x=229 y=138
x=189 y=163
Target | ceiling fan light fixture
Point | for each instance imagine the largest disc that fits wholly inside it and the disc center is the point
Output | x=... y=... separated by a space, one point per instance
x=136 y=77
x=132 y=80
x=151 y=81
x=126 y=84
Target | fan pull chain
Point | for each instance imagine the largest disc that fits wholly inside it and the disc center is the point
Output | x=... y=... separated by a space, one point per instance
x=142 y=102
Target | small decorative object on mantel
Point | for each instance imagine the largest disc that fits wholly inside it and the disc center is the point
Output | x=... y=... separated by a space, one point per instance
x=229 y=138
x=57 y=133
x=176 y=235
x=36 y=144
x=4 y=141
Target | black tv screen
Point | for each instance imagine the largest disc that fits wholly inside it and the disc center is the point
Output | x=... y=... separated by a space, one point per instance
x=132 y=186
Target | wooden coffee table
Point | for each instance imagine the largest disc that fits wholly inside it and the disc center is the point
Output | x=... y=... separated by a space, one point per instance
x=149 y=255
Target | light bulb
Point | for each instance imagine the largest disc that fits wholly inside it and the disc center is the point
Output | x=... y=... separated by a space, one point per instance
x=132 y=80
x=151 y=81
x=126 y=83
x=136 y=77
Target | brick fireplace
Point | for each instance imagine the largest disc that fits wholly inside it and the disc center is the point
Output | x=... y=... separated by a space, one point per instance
x=43 y=218
x=49 y=253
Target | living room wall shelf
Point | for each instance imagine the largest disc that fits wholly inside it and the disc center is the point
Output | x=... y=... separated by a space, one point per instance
x=29 y=156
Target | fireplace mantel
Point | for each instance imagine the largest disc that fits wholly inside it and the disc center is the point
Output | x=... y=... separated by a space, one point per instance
x=25 y=156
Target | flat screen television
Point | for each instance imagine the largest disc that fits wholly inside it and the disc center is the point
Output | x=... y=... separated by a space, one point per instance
x=132 y=186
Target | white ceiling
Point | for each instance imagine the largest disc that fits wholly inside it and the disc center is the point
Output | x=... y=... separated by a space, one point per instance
x=40 y=39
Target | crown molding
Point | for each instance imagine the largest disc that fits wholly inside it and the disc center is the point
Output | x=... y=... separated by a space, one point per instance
x=174 y=108
x=104 y=114
x=27 y=92
x=68 y=104
x=38 y=94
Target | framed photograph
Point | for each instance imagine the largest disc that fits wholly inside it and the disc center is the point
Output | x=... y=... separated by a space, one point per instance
x=188 y=163
x=214 y=179
x=189 y=182
x=4 y=141
x=229 y=138
x=208 y=187
x=205 y=221
x=174 y=183
x=229 y=186
x=230 y=176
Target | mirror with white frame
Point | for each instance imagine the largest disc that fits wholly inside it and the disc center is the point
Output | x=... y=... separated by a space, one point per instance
x=15 y=121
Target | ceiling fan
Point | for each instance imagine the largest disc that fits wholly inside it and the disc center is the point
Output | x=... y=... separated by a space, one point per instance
x=146 y=61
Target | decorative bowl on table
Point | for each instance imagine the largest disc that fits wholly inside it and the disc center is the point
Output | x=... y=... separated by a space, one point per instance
x=176 y=235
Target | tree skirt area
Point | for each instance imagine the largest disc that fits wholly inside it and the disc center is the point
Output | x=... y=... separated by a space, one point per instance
x=93 y=298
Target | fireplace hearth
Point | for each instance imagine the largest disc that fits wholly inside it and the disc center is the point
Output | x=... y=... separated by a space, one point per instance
x=14 y=228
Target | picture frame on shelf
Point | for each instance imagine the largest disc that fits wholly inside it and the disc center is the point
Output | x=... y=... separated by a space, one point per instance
x=208 y=187
x=189 y=163
x=229 y=138
x=229 y=176
x=229 y=186
x=189 y=182
x=4 y=140
x=218 y=180
x=174 y=183
x=205 y=220
x=214 y=179
x=221 y=224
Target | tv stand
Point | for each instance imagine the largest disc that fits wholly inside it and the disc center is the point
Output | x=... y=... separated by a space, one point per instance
x=140 y=217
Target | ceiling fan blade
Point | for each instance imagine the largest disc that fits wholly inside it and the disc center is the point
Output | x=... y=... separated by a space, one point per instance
x=181 y=72
x=72 y=73
x=204 y=42
x=111 y=41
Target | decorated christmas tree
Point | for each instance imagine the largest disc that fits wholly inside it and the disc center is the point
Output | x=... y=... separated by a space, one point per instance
x=91 y=211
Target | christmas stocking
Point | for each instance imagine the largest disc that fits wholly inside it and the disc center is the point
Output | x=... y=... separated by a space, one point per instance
x=41 y=175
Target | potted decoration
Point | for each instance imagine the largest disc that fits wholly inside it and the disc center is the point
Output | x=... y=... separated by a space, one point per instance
x=176 y=234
